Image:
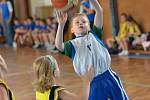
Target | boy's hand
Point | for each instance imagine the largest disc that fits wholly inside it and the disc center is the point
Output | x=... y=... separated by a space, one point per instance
x=88 y=75
x=61 y=17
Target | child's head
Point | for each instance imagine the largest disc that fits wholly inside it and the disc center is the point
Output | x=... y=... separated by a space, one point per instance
x=37 y=21
x=25 y=22
x=49 y=21
x=80 y=24
x=29 y=20
x=131 y=20
x=42 y=22
x=123 y=17
x=46 y=70
x=16 y=21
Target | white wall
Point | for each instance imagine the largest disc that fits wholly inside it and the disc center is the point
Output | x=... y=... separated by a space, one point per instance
x=38 y=3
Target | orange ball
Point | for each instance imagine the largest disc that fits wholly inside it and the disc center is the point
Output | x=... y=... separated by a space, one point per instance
x=63 y=5
x=59 y=4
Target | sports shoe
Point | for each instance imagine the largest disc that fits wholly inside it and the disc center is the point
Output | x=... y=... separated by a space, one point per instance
x=14 y=45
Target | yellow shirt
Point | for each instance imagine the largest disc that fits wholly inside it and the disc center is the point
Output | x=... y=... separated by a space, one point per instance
x=122 y=32
x=42 y=96
x=9 y=92
x=132 y=29
x=53 y=93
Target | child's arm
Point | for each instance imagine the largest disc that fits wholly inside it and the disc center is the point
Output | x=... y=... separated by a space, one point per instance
x=98 y=21
x=89 y=11
x=66 y=95
x=3 y=93
x=3 y=64
x=62 y=18
x=138 y=32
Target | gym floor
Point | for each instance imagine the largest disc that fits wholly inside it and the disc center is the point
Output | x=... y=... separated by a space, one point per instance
x=134 y=73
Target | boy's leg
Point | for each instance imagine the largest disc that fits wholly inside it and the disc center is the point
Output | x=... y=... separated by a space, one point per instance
x=117 y=91
x=21 y=39
x=9 y=35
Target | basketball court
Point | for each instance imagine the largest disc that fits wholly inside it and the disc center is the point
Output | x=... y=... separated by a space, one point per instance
x=134 y=73
x=133 y=69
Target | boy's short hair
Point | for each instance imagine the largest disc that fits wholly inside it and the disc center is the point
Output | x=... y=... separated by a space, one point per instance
x=79 y=14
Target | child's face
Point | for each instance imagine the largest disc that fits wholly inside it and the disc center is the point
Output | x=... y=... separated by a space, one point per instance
x=25 y=22
x=29 y=21
x=42 y=23
x=48 y=21
x=123 y=18
x=16 y=22
x=37 y=22
x=80 y=25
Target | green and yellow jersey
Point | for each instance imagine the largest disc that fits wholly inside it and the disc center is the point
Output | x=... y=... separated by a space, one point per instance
x=68 y=46
x=52 y=94
x=9 y=92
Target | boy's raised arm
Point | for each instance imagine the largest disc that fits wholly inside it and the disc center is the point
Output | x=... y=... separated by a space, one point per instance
x=62 y=18
x=98 y=21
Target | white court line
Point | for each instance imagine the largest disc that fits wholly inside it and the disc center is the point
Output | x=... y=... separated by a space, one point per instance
x=18 y=73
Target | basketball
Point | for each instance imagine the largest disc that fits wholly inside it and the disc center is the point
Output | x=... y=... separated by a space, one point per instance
x=63 y=5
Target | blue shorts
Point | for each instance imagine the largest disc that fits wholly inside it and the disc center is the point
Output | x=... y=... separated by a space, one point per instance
x=107 y=86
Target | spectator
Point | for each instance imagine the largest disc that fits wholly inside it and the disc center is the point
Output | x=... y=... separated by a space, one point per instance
x=1 y=30
x=133 y=30
x=20 y=32
x=112 y=46
x=35 y=33
x=139 y=40
x=146 y=44
x=122 y=35
x=6 y=12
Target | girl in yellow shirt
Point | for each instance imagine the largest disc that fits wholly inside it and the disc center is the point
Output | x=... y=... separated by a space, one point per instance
x=46 y=71
x=121 y=38
x=133 y=31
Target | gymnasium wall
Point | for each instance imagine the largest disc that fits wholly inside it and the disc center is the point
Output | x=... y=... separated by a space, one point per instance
x=39 y=7
x=21 y=8
x=107 y=19
x=139 y=9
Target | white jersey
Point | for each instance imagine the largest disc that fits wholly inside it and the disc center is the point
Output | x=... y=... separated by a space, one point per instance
x=90 y=51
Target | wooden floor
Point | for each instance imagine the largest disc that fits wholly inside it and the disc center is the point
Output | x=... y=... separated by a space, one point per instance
x=135 y=73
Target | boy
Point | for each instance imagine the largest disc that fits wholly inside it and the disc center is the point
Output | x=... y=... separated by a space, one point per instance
x=88 y=52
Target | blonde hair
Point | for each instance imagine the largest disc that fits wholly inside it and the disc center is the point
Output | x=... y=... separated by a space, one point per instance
x=80 y=15
x=44 y=68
